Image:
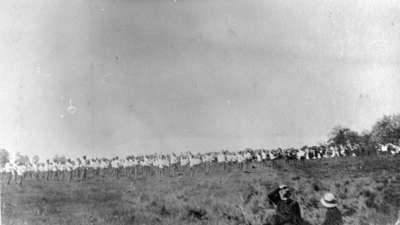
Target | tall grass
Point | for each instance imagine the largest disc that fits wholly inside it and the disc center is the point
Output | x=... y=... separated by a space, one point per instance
x=368 y=190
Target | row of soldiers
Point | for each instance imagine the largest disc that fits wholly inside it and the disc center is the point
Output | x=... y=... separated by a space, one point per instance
x=173 y=164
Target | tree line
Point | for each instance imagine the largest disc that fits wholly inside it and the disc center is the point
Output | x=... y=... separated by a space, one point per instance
x=385 y=130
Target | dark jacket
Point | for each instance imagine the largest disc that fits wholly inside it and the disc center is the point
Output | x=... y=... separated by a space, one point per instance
x=333 y=217
x=288 y=211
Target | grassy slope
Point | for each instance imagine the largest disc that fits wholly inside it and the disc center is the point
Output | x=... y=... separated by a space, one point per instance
x=368 y=189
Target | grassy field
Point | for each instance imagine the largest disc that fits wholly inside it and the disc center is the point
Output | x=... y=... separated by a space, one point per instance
x=368 y=190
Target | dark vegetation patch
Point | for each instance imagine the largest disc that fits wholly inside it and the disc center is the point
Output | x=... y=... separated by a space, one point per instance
x=296 y=178
x=348 y=211
x=316 y=187
x=197 y=213
x=312 y=203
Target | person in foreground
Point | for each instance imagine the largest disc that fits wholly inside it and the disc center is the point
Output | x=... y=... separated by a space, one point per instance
x=287 y=210
x=333 y=215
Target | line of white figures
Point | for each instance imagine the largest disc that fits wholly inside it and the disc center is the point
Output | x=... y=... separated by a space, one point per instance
x=175 y=164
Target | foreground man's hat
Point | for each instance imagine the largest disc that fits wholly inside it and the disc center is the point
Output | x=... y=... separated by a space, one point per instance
x=283 y=186
x=329 y=200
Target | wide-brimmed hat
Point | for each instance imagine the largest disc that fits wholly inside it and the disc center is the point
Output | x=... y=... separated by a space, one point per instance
x=329 y=200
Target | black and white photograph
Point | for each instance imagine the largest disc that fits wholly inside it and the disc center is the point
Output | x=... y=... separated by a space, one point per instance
x=200 y=112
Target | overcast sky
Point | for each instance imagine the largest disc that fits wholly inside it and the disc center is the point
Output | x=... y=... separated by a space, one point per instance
x=114 y=77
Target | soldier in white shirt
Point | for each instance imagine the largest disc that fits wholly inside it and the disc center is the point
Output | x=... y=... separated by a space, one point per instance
x=240 y=160
x=259 y=157
x=115 y=167
x=248 y=159
x=35 y=170
x=42 y=171
x=85 y=167
x=122 y=165
x=184 y=162
x=69 y=167
x=130 y=166
x=95 y=165
x=62 y=170
x=78 y=167
x=54 y=169
x=20 y=172
x=47 y=169
x=221 y=158
x=134 y=164
x=102 y=167
x=264 y=157
x=173 y=162
x=9 y=169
